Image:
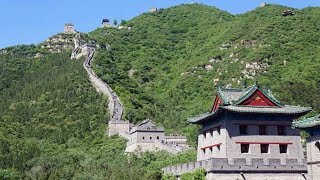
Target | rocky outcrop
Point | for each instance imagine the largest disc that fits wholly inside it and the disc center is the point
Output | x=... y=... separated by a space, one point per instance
x=58 y=43
x=254 y=68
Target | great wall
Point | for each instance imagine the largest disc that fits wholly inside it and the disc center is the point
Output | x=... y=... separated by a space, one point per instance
x=145 y=136
x=248 y=135
x=114 y=104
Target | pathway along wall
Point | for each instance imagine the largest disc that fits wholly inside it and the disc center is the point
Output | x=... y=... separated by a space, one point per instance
x=114 y=104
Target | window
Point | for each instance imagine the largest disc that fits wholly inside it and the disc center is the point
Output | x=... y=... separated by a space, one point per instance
x=150 y=137
x=283 y=148
x=264 y=148
x=204 y=151
x=218 y=130
x=158 y=137
x=143 y=137
x=281 y=130
x=218 y=147
x=243 y=129
x=262 y=130
x=244 y=148
x=211 y=133
x=211 y=149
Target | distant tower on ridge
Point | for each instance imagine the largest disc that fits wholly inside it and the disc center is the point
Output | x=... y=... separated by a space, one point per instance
x=153 y=10
x=69 y=28
x=263 y=4
x=105 y=23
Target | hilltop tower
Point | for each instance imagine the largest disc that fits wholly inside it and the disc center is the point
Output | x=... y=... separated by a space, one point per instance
x=105 y=23
x=153 y=10
x=312 y=127
x=263 y=4
x=69 y=28
x=248 y=135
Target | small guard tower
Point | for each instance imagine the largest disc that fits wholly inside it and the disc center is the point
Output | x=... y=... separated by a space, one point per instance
x=69 y=28
x=153 y=10
x=312 y=127
x=263 y=4
x=105 y=23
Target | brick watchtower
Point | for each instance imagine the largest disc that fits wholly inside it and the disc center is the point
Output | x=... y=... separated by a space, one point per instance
x=248 y=135
x=105 y=23
x=69 y=28
x=312 y=127
x=249 y=123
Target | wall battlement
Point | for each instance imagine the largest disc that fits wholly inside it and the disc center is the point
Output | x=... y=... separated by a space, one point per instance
x=239 y=165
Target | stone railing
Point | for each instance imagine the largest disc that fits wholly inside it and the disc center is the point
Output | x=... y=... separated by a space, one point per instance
x=238 y=165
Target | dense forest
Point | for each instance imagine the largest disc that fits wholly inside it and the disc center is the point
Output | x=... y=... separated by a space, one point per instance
x=166 y=67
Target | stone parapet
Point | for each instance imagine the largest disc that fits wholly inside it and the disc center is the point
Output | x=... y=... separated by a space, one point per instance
x=240 y=165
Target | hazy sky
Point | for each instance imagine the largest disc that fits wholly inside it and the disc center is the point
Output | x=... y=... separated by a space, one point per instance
x=32 y=21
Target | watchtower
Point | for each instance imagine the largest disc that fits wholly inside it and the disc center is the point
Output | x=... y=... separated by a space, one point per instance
x=105 y=23
x=153 y=10
x=69 y=28
x=263 y=4
x=312 y=127
x=249 y=123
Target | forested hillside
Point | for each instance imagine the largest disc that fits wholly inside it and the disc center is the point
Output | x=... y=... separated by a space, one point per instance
x=53 y=124
x=166 y=67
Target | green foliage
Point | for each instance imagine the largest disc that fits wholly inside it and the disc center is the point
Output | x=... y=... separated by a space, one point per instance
x=53 y=122
x=6 y=174
x=167 y=59
x=199 y=174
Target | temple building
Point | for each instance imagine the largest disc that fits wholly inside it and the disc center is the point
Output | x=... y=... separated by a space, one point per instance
x=247 y=135
x=312 y=127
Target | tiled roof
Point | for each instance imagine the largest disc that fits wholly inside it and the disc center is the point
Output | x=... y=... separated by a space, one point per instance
x=287 y=110
x=229 y=95
x=147 y=125
x=236 y=96
x=273 y=110
x=307 y=123
x=200 y=118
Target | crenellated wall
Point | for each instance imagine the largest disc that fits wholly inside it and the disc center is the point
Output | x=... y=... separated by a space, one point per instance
x=241 y=165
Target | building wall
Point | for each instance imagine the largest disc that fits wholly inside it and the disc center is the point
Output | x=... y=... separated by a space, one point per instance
x=117 y=128
x=230 y=138
x=209 y=136
x=105 y=24
x=255 y=176
x=292 y=137
x=313 y=156
x=69 y=29
x=148 y=137
x=225 y=168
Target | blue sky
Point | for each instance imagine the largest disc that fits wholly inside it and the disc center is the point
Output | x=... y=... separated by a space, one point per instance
x=32 y=21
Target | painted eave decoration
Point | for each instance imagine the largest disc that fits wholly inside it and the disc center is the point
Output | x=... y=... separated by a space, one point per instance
x=253 y=99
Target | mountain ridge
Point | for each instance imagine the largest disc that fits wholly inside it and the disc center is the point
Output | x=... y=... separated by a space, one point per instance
x=166 y=67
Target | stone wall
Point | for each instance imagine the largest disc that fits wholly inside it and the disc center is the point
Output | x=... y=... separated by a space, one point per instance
x=292 y=138
x=313 y=157
x=223 y=140
x=236 y=166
